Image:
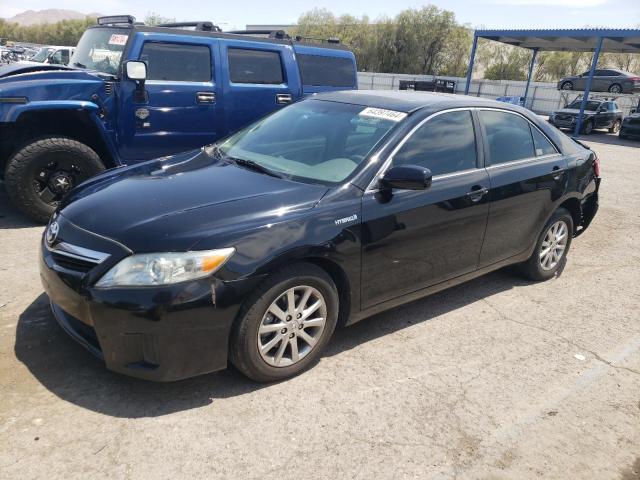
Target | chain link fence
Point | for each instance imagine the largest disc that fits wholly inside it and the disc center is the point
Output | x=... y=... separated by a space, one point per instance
x=543 y=98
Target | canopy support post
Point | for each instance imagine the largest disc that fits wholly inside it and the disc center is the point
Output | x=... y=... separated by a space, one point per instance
x=471 y=60
x=531 y=65
x=587 y=89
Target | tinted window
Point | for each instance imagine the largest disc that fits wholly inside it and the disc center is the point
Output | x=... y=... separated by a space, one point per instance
x=605 y=107
x=176 y=62
x=543 y=146
x=255 y=66
x=614 y=106
x=591 y=106
x=329 y=71
x=444 y=144
x=508 y=135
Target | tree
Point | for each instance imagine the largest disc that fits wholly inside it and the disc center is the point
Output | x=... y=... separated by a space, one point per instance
x=153 y=18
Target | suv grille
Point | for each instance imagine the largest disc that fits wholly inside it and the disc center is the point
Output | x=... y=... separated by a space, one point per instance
x=108 y=88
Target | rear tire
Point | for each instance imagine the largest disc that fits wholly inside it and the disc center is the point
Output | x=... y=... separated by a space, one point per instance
x=550 y=252
x=253 y=332
x=39 y=175
x=615 y=88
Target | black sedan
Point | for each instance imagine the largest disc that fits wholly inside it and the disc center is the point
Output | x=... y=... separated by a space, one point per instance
x=253 y=250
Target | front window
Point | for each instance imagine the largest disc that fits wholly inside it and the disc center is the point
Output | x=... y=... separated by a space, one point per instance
x=591 y=106
x=316 y=141
x=100 y=49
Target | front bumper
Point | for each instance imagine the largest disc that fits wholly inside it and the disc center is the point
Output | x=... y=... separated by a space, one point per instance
x=155 y=333
x=630 y=129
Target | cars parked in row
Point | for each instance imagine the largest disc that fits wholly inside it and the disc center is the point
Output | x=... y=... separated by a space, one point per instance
x=604 y=80
x=253 y=249
x=134 y=92
x=598 y=114
x=53 y=55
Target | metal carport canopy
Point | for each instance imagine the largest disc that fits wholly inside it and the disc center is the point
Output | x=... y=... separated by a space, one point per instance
x=595 y=40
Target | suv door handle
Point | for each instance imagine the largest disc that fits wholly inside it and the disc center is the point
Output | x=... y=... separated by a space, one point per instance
x=205 y=97
x=283 y=98
x=477 y=192
x=557 y=172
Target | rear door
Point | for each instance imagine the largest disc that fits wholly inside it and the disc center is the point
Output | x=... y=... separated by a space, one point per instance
x=181 y=111
x=527 y=176
x=259 y=77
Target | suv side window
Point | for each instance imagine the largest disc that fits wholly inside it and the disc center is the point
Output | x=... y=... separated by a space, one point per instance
x=255 y=66
x=604 y=107
x=177 y=62
x=541 y=143
x=444 y=144
x=614 y=107
x=326 y=71
x=508 y=135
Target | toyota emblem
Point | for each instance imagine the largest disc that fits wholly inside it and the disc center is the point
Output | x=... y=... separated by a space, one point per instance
x=52 y=233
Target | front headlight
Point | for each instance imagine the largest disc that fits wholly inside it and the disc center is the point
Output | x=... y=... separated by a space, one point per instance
x=152 y=269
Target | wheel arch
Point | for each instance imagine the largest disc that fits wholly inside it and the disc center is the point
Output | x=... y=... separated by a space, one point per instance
x=574 y=207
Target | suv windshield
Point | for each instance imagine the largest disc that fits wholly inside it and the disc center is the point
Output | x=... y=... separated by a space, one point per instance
x=100 y=49
x=590 y=106
x=41 y=55
x=316 y=141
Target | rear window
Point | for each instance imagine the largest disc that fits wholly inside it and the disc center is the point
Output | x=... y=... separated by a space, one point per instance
x=318 y=70
x=177 y=62
x=255 y=66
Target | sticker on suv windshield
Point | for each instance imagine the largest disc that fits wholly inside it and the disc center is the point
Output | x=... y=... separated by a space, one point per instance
x=383 y=113
x=118 y=39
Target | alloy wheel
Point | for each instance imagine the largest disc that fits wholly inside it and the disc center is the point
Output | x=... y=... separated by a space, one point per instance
x=292 y=326
x=554 y=245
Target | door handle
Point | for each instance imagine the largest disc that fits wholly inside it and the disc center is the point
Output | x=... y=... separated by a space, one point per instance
x=557 y=172
x=477 y=192
x=283 y=98
x=205 y=97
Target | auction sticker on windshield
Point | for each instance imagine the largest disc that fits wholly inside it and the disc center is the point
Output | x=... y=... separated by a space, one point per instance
x=383 y=113
x=118 y=39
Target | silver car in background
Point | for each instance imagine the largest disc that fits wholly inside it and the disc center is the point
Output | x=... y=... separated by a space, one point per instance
x=604 y=80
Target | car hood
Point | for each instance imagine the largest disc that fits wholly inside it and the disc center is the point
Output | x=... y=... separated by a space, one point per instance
x=574 y=111
x=172 y=203
x=19 y=68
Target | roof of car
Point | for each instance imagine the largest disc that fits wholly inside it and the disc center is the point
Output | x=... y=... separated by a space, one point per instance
x=408 y=101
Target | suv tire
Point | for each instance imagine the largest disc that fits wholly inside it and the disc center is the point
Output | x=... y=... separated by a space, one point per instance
x=39 y=174
x=560 y=223
x=246 y=339
x=615 y=128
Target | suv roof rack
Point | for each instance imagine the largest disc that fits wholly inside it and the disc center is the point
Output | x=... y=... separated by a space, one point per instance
x=279 y=34
x=331 y=40
x=117 y=20
x=198 y=26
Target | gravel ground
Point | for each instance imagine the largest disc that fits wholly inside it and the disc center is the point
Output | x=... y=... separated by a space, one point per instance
x=497 y=378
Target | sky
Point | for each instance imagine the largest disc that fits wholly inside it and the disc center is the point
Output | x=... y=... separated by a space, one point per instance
x=484 y=14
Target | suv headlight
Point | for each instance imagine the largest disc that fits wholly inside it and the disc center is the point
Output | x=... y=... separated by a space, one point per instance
x=150 y=269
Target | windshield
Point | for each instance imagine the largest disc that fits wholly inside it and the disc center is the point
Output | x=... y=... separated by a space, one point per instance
x=317 y=141
x=100 y=49
x=590 y=106
x=41 y=55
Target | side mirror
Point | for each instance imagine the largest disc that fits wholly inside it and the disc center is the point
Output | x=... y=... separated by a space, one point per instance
x=407 y=177
x=137 y=71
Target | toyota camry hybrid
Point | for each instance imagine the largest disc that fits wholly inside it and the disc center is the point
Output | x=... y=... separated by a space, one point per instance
x=342 y=205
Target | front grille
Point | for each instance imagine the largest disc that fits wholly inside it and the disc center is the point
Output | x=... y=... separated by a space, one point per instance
x=72 y=263
x=108 y=88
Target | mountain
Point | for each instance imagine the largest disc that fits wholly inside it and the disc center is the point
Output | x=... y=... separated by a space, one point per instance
x=52 y=15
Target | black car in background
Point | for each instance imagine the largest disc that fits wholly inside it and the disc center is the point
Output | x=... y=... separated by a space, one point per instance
x=631 y=126
x=604 y=80
x=332 y=209
x=598 y=114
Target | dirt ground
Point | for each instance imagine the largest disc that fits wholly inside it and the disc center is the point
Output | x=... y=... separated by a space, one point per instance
x=495 y=379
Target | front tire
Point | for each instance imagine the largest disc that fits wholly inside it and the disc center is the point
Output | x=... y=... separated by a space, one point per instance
x=615 y=88
x=551 y=249
x=615 y=128
x=588 y=127
x=567 y=86
x=285 y=324
x=39 y=175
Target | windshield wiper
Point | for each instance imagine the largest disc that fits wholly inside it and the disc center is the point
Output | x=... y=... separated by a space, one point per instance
x=79 y=65
x=254 y=166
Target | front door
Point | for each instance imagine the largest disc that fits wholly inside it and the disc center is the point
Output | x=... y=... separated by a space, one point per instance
x=181 y=110
x=414 y=239
x=527 y=176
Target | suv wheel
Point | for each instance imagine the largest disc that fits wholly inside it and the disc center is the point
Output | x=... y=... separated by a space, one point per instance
x=588 y=127
x=615 y=128
x=285 y=324
x=567 y=86
x=39 y=175
x=615 y=88
x=551 y=248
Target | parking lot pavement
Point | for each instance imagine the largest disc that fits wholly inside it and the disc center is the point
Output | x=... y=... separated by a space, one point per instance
x=498 y=378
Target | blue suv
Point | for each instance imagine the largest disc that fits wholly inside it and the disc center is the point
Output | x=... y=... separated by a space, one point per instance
x=133 y=92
